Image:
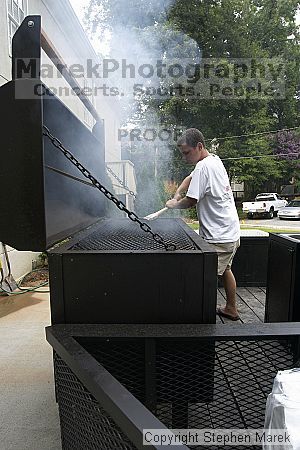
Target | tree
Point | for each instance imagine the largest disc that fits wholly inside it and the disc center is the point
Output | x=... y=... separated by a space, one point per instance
x=287 y=147
x=238 y=29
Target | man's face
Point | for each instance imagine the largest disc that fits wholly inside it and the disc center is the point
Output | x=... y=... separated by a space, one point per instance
x=191 y=155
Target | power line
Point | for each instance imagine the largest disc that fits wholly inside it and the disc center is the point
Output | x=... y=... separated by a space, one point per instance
x=226 y=159
x=262 y=156
x=252 y=134
x=235 y=137
x=248 y=157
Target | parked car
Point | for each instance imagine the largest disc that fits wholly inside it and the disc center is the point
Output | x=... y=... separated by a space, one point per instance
x=291 y=211
x=266 y=204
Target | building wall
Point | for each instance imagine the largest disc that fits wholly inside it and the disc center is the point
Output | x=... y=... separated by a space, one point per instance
x=65 y=31
x=124 y=170
x=21 y=262
x=237 y=189
x=5 y=61
x=112 y=144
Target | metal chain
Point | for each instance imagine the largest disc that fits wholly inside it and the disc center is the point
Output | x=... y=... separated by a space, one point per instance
x=119 y=204
x=124 y=186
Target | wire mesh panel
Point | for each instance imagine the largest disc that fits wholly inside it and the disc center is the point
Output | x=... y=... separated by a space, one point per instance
x=123 y=358
x=122 y=234
x=85 y=425
x=198 y=383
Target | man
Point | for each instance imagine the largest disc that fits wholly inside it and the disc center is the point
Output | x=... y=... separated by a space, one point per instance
x=208 y=187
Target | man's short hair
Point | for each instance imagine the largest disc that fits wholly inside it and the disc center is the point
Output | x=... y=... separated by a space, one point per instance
x=191 y=137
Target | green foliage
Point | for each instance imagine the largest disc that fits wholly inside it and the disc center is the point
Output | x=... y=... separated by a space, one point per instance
x=238 y=29
x=43 y=257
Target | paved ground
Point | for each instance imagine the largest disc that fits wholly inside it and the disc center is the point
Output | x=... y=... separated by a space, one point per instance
x=28 y=412
x=273 y=223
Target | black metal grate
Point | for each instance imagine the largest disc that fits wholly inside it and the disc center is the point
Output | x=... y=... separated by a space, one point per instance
x=123 y=358
x=122 y=234
x=85 y=425
x=198 y=383
x=237 y=386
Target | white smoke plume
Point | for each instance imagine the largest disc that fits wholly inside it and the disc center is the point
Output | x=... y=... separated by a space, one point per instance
x=138 y=60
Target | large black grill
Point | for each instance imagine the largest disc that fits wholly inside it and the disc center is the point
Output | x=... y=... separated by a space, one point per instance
x=114 y=272
x=122 y=234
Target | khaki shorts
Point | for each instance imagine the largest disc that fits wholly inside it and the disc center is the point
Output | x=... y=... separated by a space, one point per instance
x=226 y=254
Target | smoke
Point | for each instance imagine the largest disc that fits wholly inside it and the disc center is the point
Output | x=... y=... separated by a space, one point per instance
x=146 y=61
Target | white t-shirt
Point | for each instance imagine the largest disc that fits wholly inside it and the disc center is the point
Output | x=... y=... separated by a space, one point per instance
x=217 y=214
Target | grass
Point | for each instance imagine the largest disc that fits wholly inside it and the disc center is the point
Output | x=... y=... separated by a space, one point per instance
x=195 y=226
x=270 y=230
x=242 y=215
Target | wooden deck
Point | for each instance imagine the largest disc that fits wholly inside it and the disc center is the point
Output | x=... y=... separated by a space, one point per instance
x=250 y=303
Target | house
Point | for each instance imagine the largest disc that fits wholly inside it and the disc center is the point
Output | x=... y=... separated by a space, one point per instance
x=63 y=29
x=238 y=189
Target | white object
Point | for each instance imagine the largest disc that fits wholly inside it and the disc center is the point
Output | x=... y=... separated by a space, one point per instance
x=216 y=209
x=291 y=211
x=264 y=204
x=253 y=233
x=283 y=408
x=156 y=214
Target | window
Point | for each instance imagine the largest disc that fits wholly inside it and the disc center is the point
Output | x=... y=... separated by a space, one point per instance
x=265 y=199
x=294 y=204
x=17 y=10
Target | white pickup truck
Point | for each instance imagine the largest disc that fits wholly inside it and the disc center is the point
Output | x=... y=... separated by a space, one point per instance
x=264 y=204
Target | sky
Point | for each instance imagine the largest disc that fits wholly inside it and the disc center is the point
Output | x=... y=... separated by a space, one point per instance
x=100 y=47
x=78 y=6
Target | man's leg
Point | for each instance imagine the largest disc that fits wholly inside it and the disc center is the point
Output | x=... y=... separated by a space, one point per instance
x=230 y=289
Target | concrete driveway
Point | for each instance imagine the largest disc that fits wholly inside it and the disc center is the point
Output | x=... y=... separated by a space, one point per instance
x=28 y=412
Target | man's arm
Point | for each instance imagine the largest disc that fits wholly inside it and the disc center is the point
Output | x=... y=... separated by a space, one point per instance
x=183 y=188
x=183 y=203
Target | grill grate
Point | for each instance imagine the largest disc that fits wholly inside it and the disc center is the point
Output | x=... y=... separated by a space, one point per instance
x=122 y=234
x=198 y=383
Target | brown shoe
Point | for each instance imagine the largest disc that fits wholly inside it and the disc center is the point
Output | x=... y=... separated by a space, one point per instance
x=222 y=313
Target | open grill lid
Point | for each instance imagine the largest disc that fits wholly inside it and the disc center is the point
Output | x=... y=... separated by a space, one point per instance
x=44 y=198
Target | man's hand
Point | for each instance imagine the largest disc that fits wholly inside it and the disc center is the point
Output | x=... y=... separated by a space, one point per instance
x=184 y=203
x=172 y=204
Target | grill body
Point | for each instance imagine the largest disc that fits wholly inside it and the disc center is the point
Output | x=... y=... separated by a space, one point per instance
x=116 y=273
